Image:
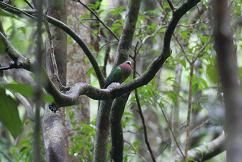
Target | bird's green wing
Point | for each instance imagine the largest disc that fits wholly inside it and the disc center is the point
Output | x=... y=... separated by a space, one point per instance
x=114 y=76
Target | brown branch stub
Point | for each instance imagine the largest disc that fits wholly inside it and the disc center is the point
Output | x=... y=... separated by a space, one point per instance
x=19 y=61
x=171 y=6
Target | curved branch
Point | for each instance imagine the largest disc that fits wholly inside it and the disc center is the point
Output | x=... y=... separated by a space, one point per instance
x=64 y=27
x=72 y=96
x=10 y=50
x=81 y=44
x=208 y=150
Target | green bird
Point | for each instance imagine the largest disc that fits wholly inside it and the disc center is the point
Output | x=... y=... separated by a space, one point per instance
x=119 y=74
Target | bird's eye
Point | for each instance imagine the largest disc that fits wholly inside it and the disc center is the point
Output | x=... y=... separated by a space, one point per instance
x=128 y=62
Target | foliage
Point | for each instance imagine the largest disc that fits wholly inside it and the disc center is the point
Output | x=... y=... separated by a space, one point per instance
x=165 y=92
x=9 y=115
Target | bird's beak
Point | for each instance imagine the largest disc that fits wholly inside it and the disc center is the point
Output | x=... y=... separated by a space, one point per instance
x=132 y=66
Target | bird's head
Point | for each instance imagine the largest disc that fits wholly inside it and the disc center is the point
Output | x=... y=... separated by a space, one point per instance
x=129 y=63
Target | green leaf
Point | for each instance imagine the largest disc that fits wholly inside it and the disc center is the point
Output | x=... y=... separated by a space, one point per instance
x=9 y=115
x=172 y=95
x=212 y=73
x=240 y=74
x=117 y=10
x=90 y=71
x=5 y=14
x=2 y=46
x=48 y=98
x=24 y=89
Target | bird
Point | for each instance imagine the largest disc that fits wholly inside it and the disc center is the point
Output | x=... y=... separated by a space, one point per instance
x=119 y=74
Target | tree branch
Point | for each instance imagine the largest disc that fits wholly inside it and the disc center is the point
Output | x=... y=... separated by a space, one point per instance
x=171 y=5
x=125 y=43
x=71 y=97
x=63 y=26
x=94 y=14
x=207 y=151
x=144 y=127
x=102 y=131
x=10 y=50
x=116 y=127
x=122 y=54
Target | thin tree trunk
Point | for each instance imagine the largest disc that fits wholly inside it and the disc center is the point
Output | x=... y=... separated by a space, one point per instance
x=175 y=111
x=227 y=67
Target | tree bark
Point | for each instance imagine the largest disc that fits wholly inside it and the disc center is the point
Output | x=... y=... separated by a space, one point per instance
x=54 y=133
x=206 y=151
x=122 y=54
x=77 y=67
x=227 y=66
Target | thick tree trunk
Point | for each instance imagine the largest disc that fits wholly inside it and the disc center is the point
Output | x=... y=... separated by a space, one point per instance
x=54 y=133
x=77 y=67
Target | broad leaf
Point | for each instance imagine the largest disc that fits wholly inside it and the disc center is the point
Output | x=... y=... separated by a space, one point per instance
x=9 y=115
x=26 y=90
x=23 y=89
x=212 y=73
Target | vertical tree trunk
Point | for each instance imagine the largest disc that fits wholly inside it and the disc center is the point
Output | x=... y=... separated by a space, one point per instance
x=54 y=133
x=230 y=82
x=77 y=67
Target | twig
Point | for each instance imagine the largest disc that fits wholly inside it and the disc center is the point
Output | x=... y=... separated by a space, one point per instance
x=139 y=108
x=153 y=34
x=208 y=150
x=200 y=52
x=6 y=67
x=72 y=96
x=8 y=7
x=135 y=150
x=144 y=126
x=107 y=51
x=29 y=4
x=38 y=80
x=172 y=133
x=11 y=51
x=182 y=49
x=6 y=156
x=189 y=111
x=68 y=30
x=94 y=14
x=52 y=56
x=171 y=6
